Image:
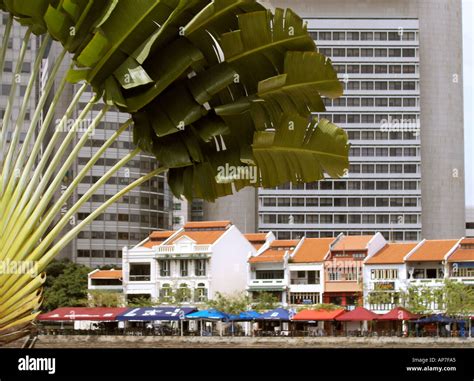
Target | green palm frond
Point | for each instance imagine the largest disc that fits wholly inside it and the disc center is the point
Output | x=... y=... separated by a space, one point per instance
x=208 y=84
x=259 y=47
x=283 y=155
x=137 y=55
x=306 y=77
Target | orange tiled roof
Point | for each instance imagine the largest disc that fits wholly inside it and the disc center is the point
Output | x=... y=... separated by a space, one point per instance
x=276 y=252
x=312 y=250
x=432 y=250
x=206 y=237
x=462 y=255
x=270 y=255
x=391 y=253
x=285 y=243
x=161 y=235
x=107 y=274
x=157 y=238
x=207 y=225
x=256 y=239
x=252 y=237
x=352 y=242
x=467 y=241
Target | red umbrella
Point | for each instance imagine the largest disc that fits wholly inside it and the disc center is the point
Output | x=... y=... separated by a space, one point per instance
x=82 y=313
x=358 y=314
x=317 y=315
x=399 y=313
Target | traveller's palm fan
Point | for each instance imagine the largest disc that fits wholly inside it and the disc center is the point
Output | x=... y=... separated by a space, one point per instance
x=207 y=83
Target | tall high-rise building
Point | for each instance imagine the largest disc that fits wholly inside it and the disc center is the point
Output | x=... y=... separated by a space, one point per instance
x=181 y=212
x=9 y=75
x=470 y=221
x=403 y=111
x=378 y=62
x=240 y=208
x=146 y=208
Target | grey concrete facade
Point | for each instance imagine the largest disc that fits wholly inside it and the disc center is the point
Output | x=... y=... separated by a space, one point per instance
x=240 y=208
x=442 y=117
x=440 y=94
x=470 y=221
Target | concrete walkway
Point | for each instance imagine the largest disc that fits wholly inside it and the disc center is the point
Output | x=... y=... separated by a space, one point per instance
x=247 y=342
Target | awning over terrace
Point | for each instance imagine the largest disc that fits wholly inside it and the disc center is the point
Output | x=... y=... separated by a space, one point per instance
x=276 y=314
x=208 y=315
x=439 y=318
x=245 y=316
x=399 y=313
x=358 y=314
x=317 y=315
x=83 y=314
x=159 y=313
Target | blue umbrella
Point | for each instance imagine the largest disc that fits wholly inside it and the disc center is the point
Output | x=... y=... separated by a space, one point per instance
x=208 y=315
x=276 y=314
x=158 y=313
x=438 y=318
x=245 y=316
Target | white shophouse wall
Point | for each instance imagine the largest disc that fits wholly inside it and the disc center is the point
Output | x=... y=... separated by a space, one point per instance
x=400 y=282
x=228 y=264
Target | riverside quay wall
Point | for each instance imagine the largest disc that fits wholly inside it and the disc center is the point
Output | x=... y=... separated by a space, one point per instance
x=247 y=342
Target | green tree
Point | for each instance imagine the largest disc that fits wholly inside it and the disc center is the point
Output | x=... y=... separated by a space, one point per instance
x=231 y=304
x=326 y=306
x=183 y=295
x=265 y=301
x=418 y=299
x=98 y=298
x=108 y=267
x=207 y=84
x=68 y=289
x=458 y=298
x=55 y=269
x=453 y=298
x=383 y=297
x=141 y=301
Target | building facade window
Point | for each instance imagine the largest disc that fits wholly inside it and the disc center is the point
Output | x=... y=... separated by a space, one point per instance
x=184 y=267
x=305 y=298
x=140 y=272
x=165 y=267
x=383 y=274
x=183 y=293
x=200 y=267
x=382 y=93
x=166 y=293
x=201 y=293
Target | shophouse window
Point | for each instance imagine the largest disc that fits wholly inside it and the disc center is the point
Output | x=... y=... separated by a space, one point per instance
x=164 y=267
x=200 y=267
x=140 y=272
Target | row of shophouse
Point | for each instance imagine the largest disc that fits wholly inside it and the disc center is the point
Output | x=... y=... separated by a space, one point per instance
x=204 y=258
